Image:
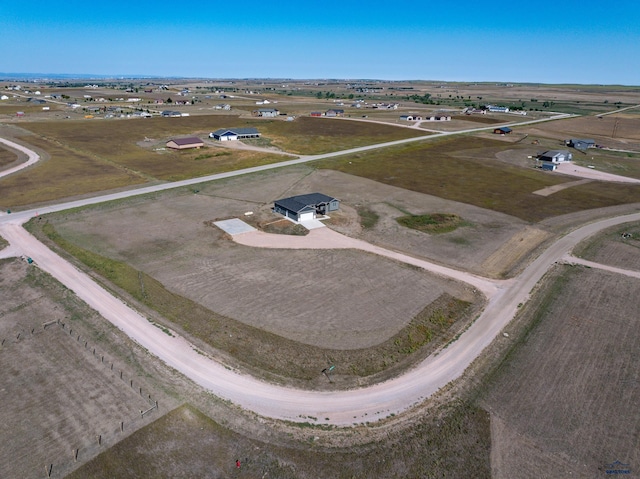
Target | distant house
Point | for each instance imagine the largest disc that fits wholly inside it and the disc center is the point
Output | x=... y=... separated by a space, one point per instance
x=224 y=134
x=555 y=156
x=185 y=143
x=4 y=97
x=334 y=112
x=580 y=144
x=306 y=207
x=497 y=109
x=410 y=118
x=267 y=112
x=171 y=114
x=439 y=118
x=316 y=113
x=503 y=130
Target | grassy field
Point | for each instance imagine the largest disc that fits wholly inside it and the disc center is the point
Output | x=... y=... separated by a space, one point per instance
x=89 y=156
x=452 y=443
x=564 y=398
x=619 y=247
x=6 y=157
x=465 y=169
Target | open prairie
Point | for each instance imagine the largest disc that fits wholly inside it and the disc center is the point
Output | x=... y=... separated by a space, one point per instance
x=61 y=384
x=563 y=402
x=557 y=397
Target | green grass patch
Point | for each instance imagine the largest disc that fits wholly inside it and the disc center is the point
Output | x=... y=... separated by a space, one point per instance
x=431 y=223
x=368 y=217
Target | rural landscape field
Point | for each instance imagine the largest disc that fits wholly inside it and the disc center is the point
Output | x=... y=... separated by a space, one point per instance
x=485 y=294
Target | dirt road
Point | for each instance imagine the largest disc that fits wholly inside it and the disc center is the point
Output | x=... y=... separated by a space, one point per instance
x=335 y=407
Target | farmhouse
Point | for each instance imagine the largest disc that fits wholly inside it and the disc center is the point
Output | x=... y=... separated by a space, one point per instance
x=235 y=134
x=503 y=130
x=334 y=112
x=266 y=112
x=185 y=143
x=555 y=156
x=306 y=207
x=580 y=144
x=498 y=109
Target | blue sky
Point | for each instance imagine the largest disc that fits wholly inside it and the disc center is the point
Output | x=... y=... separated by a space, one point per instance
x=520 y=41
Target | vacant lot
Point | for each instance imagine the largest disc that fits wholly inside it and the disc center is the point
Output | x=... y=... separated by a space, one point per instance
x=59 y=389
x=614 y=131
x=619 y=246
x=564 y=400
x=7 y=156
x=452 y=443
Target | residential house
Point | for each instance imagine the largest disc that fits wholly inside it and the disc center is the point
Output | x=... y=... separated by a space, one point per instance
x=306 y=207
x=503 y=130
x=235 y=134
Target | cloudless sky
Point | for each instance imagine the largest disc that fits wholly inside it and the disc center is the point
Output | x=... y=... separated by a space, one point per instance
x=561 y=41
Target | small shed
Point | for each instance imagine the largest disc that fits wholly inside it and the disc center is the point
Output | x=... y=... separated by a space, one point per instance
x=316 y=113
x=185 y=143
x=548 y=166
x=306 y=207
x=503 y=130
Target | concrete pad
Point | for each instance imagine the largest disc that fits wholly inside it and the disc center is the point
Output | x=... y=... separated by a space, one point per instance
x=312 y=224
x=234 y=226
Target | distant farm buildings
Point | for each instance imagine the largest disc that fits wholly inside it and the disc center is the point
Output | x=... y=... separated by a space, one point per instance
x=580 y=144
x=171 y=114
x=266 y=112
x=334 y=113
x=503 y=130
x=497 y=109
x=306 y=207
x=185 y=143
x=234 y=134
x=410 y=118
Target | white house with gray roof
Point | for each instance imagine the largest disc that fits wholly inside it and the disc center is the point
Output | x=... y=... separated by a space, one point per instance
x=234 y=134
x=306 y=207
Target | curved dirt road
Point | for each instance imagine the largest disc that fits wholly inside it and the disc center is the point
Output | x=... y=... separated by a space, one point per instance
x=336 y=407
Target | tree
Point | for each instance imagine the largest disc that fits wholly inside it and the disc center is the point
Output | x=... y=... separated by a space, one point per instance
x=169 y=100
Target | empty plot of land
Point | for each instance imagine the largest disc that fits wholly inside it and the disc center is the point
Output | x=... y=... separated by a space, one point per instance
x=57 y=395
x=331 y=299
x=565 y=402
x=618 y=246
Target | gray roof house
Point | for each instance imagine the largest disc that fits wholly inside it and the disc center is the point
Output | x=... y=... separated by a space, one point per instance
x=580 y=144
x=224 y=134
x=555 y=156
x=306 y=207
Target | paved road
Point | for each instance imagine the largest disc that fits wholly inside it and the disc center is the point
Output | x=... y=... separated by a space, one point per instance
x=338 y=407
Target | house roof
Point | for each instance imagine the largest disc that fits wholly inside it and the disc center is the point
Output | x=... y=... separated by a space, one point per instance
x=237 y=131
x=301 y=203
x=187 y=141
x=504 y=129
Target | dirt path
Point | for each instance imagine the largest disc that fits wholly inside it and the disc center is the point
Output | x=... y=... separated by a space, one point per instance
x=334 y=407
x=326 y=238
